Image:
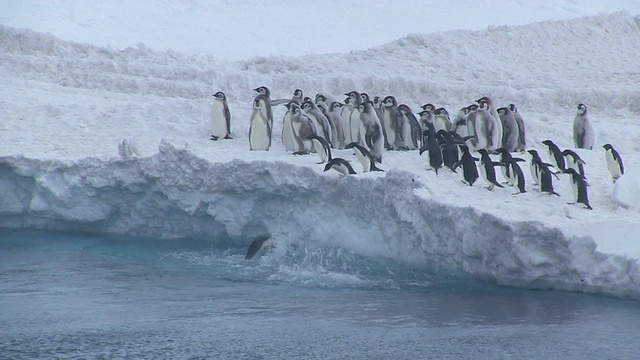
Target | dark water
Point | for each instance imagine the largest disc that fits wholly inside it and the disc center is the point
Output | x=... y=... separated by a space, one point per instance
x=87 y=296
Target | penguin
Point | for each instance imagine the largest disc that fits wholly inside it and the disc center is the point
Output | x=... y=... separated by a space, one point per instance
x=391 y=122
x=460 y=122
x=536 y=165
x=614 y=162
x=377 y=105
x=557 y=159
x=287 y=130
x=364 y=97
x=506 y=160
x=522 y=139
x=469 y=169
x=573 y=160
x=259 y=246
x=220 y=117
x=429 y=107
x=426 y=117
x=495 y=127
x=449 y=149
x=373 y=133
x=260 y=127
x=546 y=181
x=510 y=129
x=583 y=135
x=320 y=121
x=579 y=185
x=321 y=103
x=345 y=113
x=323 y=149
x=264 y=95
x=364 y=156
x=302 y=128
x=340 y=165
x=354 y=118
x=298 y=96
x=127 y=149
x=472 y=113
x=487 y=169
x=410 y=127
x=441 y=119
x=517 y=176
x=485 y=125
x=433 y=148
x=335 y=116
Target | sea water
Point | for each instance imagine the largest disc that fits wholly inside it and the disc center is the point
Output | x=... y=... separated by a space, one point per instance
x=68 y=295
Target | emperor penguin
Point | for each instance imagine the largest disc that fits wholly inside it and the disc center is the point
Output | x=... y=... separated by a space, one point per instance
x=298 y=96
x=495 y=129
x=260 y=127
x=557 y=159
x=583 y=135
x=522 y=139
x=391 y=122
x=373 y=138
x=287 y=130
x=614 y=162
x=320 y=122
x=321 y=103
x=468 y=163
x=364 y=156
x=472 y=114
x=510 y=129
x=488 y=170
x=340 y=165
x=429 y=107
x=259 y=246
x=335 y=116
x=579 y=185
x=460 y=122
x=441 y=119
x=354 y=118
x=573 y=160
x=485 y=128
x=302 y=128
x=377 y=105
x=220 y=117
x=323 y=149
x=410 y=128
x=432 y=147
x=345 y=113
x=264 y=95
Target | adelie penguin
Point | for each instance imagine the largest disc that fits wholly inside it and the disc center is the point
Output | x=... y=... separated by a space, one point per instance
x=573 y=161
x=487 y=169
x=614 y=162
x=323 y=149
x=507 y=161
x=259 y=246
x=432 y=148
x=340 y=165
x=536 y=165
x=220 y=117
x=555 y=155
x=364 y=156
x=468 y=163
x=579 y=185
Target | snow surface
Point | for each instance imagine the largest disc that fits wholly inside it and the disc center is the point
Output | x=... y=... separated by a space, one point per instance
x=67 y=106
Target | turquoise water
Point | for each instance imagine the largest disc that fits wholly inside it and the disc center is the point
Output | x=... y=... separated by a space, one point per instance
x=86 y=296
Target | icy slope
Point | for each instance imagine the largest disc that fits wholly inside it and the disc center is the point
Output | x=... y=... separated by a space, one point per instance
x=175 y=193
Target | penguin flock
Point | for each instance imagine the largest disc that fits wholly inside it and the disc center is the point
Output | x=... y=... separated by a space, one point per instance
x=372 y=126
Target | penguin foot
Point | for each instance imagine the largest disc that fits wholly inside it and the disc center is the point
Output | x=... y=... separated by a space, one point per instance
x=300 y=153
x=228 y=137
x=214 y=138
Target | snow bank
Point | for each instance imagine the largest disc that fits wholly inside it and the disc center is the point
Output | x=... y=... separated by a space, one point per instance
x=176 y=194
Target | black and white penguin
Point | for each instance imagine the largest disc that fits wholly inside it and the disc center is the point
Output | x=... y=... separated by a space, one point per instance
x=260 y=127
x=517 y=176
x=468 y=163
x=411 y=132
x=535 y=166
x=340 y=165
x=355 y=124
x=392 y=123
x=472 y=114
x=323 y=149
x=441 y=119
x=264 y=96
x=432 y=148
x=583 y=134
x=522 y=138
x=579 y=185
x=573 y=161
x=335 y=116
x=220 y=117
x=614 y=162
x=487 y=169
x=555 y=155
x=495 y=130
x=506 y=160
x=259 y=246
x=510 y=129
x=449 y=149
x=546 y=181
x=288 y=140
x=364 y=156
x=320 y=122
x=302 y=128
x=373 y=137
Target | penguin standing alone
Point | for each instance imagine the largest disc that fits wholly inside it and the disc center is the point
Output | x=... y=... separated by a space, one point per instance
x=583 y=135
x=220 y=117
x=468 y=163
x=614 y=162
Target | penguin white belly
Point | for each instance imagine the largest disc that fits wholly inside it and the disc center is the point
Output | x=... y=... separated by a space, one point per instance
x=389 y=129
x=320 y=150
x=440 y=124
x=287 y=133
x=346 y=124
x=364 y=161
x=589 y=136
x=354 y=123
x=612 y=164
x=218 y=121
x=406 y=133
x=498 y=133
x=259 y=134
x=481 y=133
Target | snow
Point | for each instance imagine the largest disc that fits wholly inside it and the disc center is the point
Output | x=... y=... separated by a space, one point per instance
x=67 y=106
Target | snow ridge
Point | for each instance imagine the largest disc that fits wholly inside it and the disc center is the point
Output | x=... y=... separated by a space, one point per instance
x=176 y=194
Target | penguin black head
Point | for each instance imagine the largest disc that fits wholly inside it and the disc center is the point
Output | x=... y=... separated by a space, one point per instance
x=328 y=166
x=263 y=90
x=219 y=95
x=364 y=97
x=320 y=98
x=424 y=114
x=441 y=111
x=582 y=109
x=484 y=99
x=548 y=142
x=429 y=107
x=295 y=109
x=297 y=93
x=307 y=105
x=483 y=105
x=532 y=152
x=288 y=105
x=483 y=152
x=335 y=105
x=512 y=107
x=472 y=108
x=464 y=148
x=347 y=100
x=607 y=146
x=404 y=108
x=390 y=101
x=377 y=99
x=502 y=111
x=499 y=150
x=353 y=94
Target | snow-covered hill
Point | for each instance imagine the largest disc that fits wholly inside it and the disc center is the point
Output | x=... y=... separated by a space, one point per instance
x=65 y=107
